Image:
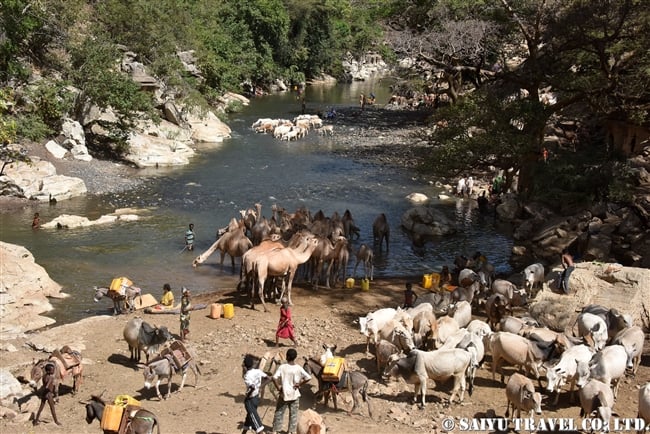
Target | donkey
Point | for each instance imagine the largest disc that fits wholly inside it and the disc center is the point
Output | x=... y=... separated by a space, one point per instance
x=165 y=368
x=66 y=361
x=120 y=302
x=353 y=381
x=139 y=421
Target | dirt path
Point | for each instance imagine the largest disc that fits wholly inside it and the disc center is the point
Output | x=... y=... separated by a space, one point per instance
x=216 y=405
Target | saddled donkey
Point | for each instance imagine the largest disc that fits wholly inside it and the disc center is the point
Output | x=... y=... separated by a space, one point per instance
x=66 y=361
x=121 y=302
x=165 y=368
x=139 y=421
x=353 y=381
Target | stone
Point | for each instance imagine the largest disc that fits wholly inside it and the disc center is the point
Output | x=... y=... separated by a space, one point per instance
x=417 y=198
x=424 y=222
x=74 y=131
x=55 y=149
x=208 y=128
x=8 y=384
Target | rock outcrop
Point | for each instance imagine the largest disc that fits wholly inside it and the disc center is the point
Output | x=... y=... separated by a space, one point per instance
x=24 y=290
x=626 y=289
x=423 y=223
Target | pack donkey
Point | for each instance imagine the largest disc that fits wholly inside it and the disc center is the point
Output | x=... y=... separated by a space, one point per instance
x=139 y=421
x=66 y=361
x=164 y=367
x=353 y=381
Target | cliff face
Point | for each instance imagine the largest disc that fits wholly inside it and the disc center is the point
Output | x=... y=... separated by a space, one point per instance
x=24 y=290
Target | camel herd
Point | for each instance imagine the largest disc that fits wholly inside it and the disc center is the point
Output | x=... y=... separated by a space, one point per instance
x=272 y=250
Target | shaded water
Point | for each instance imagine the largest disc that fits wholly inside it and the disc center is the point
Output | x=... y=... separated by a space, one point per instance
x=246 y=169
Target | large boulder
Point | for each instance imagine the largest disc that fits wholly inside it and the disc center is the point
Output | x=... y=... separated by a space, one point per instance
x=38 y=180
x=208 y=128
x=626 y=289
x=423 y=223
x=24 y=290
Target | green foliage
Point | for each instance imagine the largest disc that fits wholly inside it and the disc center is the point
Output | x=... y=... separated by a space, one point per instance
x=32 y=127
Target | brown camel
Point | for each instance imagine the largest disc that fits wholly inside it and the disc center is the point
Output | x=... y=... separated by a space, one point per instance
x=234 y=242
x=281 y=263
x=365 y=255
x=326 y=252
x=381 y=230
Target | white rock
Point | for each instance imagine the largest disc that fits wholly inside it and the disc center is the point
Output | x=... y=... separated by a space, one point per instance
x=55 y=149
x=417 y=197
x=74 y=131
x=8 y=384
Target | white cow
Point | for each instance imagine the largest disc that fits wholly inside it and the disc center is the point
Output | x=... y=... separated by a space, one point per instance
x=373 y=322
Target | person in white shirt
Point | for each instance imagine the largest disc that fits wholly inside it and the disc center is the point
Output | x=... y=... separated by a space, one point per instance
x=460 y=188
x=254 y=379
x=288 y=379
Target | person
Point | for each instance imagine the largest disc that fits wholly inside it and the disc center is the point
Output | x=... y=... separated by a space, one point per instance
x=362 y=101
x=409 y=296
x=36 y=223
x=483 y=203
x=445 y=276
x=189 y=237
x=480 y=261
x=285 y=328
x=469 y=186
x=186 y=307
x=254 y=379
x=496 y=185
x=46 y=393
x=371 y=101
x=460 y=187
x=567 y=264
x=168 y=296
x=303 y=104
x=288 y=378
x=545 y=154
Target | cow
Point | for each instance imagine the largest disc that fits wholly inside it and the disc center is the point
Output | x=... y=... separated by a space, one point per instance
x=593 y=328
x=310 y=422
x=496 y=307
x=596 y=396
x=518 y=350
x=533 y=278
x=140 y=336
x=566 y=369
x=644 y=403
x=614 y=319
x=607 y=365
x=373 y=322
x=632 y=340
x=461 y=312
x=516 y=297
x=521 y=395
x=383 y=351
x=419 y=366
x=446 y=327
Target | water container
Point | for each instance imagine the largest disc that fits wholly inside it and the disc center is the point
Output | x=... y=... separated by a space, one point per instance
x=349 y=282
x=228 y=310
x=427 y=281
x=215 y=310
x=365 y=284
x=124 y=400
x=111 y=418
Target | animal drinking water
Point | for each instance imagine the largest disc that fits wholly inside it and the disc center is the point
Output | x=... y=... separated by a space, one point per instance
x=66 y=361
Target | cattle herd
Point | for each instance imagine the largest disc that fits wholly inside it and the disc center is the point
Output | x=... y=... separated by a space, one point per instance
x=437 y=340
x=299 y=127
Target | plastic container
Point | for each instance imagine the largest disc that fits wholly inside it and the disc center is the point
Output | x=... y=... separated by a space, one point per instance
x=365 y=284
x=349 y=282
x=427 y=281
x=215 y=310
x=124 y=400
x=333 y=369
x=228 y=310
x=112 y=417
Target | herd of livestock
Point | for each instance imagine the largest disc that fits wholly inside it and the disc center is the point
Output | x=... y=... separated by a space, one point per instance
x=436 y=339
x=299 y=127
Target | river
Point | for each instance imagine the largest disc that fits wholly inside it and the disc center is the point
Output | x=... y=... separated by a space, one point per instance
x=245 y=169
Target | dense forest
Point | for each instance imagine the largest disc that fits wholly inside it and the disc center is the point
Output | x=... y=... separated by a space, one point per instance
x=502 y=72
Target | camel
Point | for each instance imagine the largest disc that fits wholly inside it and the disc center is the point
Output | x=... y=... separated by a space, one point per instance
x=251 y=216
x=340 y=264
x=381 y=230
x=349 y=228
x=365 y=255
x=234 y=242
x=248 y=260
x=283 y=262
x=326 y=252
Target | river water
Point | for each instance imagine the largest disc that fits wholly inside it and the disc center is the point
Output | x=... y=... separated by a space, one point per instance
x=245 y=169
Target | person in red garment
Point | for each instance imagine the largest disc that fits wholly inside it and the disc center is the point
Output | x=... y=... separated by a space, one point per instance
x=285 y=325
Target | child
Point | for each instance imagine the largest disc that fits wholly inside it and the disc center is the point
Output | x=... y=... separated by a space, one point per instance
x=409 y=296
x=254 y=380
x=46 y=393
x=285 y=328
x=186 y=307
